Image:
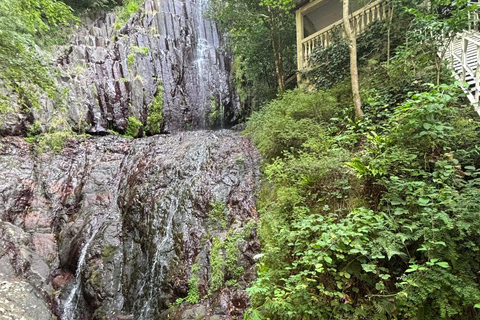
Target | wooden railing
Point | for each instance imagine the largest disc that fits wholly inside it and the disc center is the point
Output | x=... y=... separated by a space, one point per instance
x=360 y=19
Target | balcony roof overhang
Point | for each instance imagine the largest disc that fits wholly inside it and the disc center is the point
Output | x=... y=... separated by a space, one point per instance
x=306 y=5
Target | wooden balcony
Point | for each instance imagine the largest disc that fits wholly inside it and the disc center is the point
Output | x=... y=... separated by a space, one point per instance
x=360 y=19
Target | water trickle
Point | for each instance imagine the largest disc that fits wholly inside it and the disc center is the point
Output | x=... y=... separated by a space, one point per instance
x=70 y=307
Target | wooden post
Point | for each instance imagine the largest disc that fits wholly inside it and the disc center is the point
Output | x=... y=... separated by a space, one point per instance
x=300 y=51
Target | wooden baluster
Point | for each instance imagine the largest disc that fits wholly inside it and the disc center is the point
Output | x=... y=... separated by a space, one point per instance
x=304 y=55
x=361 y=19
x=306 y=50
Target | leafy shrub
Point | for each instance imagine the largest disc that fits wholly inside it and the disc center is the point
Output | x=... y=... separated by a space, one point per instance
x=399 y=241
x=290 y=121
x=124 y=12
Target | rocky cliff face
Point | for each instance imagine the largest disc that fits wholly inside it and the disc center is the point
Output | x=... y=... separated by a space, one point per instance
x=167 y=52
x=113 y=228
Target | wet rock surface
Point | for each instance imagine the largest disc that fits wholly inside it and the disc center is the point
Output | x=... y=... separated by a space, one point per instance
x=112 y=228
x=112 y=72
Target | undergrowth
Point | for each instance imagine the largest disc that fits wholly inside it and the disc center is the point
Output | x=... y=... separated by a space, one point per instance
x=376 y=218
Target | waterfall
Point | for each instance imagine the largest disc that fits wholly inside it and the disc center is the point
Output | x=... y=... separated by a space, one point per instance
x=69 y=311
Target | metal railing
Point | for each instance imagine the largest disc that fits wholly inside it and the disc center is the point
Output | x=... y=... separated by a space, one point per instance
x=464 y=58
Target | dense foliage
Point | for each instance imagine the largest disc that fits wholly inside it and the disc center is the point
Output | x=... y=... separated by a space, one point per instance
x=394 y=236
x=262 y=38
x=371 y=219
x=23 y=72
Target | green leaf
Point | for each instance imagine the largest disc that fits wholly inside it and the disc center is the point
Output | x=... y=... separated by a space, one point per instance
x=423 y=201
x=327 y=259
x=443 y=265
x=369 y=267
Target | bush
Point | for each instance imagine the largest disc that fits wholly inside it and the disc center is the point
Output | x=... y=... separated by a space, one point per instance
x=290 y=121
x=399 y=240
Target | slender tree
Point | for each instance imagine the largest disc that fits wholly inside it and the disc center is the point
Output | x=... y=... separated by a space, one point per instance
x=352 y=47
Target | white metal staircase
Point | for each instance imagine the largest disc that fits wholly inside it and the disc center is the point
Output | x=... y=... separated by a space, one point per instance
x=463 y=55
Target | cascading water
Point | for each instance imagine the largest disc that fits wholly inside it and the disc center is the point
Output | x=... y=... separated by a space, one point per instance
x=186 y=56
x=70 y=306
x=150 y=197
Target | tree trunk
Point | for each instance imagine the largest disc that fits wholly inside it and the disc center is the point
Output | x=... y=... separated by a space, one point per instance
x=277 y=53
x=357 y=103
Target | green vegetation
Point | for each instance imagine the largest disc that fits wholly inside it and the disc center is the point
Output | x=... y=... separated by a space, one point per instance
x=155 y=113
x=133 y=127
x=92 y=4
x=375 y=218
x=25 y=75
x=216 y=265
x=193 y=291
x=217 y=215
x=214 y=114
x=141 y=50
x=262 y=36
x=130 y=59
x=124 y=12
x=224 y=258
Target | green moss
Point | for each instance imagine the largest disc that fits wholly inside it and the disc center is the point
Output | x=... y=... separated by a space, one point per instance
x=133 y=127
x=231 y=263
x=31 y=139
x=34 y=129
x=113 y=132
x=217 y=215
x=131 y=59
x=214 y=113
x=216 y=266
x=108 y=252
x=94 y=279
x=54 y=141
x=155 y=113
x=193 y=291
x=141 y=50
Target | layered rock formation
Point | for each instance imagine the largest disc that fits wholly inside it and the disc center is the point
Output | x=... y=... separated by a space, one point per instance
x=167 y=50
x=113 y=228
